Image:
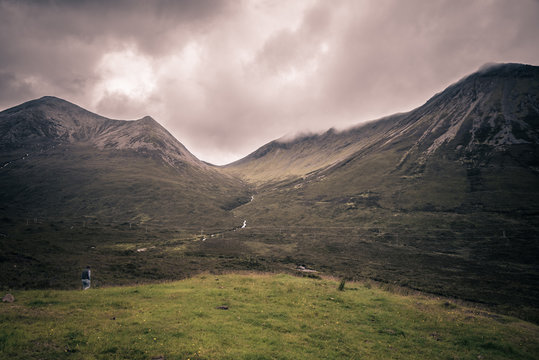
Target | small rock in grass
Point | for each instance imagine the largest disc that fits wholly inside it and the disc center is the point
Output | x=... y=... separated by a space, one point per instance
x=224 y=307
x=8 y=298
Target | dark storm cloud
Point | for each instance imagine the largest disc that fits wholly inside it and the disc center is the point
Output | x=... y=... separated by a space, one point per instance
x=226 y=76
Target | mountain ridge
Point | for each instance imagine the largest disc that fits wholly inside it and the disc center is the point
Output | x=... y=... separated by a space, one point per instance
x=58 y=159
x=455 y=114
x=51 y=121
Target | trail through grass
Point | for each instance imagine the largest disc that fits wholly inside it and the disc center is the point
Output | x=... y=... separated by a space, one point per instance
x=267 y=317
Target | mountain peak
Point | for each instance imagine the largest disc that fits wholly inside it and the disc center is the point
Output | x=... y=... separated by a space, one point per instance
x=486 y=112
x=51 y=99
x=49 y=121
x=148 y=120
x=503 y=68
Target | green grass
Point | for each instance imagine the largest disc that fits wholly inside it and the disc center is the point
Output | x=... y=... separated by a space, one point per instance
x=268 y=317
x=440 y=253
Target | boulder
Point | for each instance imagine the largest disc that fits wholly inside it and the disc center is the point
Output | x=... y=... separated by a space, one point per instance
x=8 y=298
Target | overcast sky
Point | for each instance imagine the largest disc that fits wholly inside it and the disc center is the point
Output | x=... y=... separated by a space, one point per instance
x=225 y=77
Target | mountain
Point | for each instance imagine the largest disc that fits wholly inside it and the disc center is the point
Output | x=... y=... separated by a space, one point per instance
x=492 y=111
x=40 y=124
x=473 y=146
x=58 y=160
x=443 y=198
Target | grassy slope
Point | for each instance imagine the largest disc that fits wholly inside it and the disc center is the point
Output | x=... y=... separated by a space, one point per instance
x=269 y=317
x=296 y=158
x=365 y=220
x=74 y=182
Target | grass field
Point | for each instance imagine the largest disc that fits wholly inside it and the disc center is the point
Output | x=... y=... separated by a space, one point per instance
x=268 y=317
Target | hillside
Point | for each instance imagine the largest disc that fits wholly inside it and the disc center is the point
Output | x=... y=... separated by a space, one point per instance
x=306 y=154
x=60 y=161
x=443 y=198
x=78 y=188
x=41 y=124
x=261 y=317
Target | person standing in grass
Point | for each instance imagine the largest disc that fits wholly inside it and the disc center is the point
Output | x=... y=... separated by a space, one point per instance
x=86 y=274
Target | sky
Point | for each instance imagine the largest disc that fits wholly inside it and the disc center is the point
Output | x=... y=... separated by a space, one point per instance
x=226 y=77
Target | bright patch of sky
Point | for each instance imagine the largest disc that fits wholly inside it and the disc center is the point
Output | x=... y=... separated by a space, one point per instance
x=126 y=72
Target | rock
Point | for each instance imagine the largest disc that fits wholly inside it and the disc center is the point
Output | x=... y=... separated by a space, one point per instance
x=8 y=298
x=224 y=307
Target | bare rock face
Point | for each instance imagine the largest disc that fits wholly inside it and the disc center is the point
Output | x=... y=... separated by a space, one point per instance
x=8 y=298
x=485 y=113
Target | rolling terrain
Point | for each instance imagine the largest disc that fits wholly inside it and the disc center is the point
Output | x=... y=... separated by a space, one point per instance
x=255 y=316
x=441 y=199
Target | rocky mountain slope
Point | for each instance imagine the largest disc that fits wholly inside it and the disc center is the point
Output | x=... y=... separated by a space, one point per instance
x=490 y=112
x=59 y=160
x=40 y=124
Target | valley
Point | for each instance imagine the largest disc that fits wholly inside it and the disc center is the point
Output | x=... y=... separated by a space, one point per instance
x=442 y=199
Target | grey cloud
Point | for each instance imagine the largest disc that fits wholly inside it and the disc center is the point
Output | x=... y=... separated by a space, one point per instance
x=60 y=42
x=383 y=56
x=288 y=48
x=13 y=89
x=318 y=19
x=120 y=106
x=397 y=53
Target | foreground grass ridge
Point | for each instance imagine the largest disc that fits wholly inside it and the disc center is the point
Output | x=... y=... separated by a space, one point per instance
x=254 y=317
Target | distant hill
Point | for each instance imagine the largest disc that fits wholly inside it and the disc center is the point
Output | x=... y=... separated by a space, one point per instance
x=41 y=124
x=58 y=160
